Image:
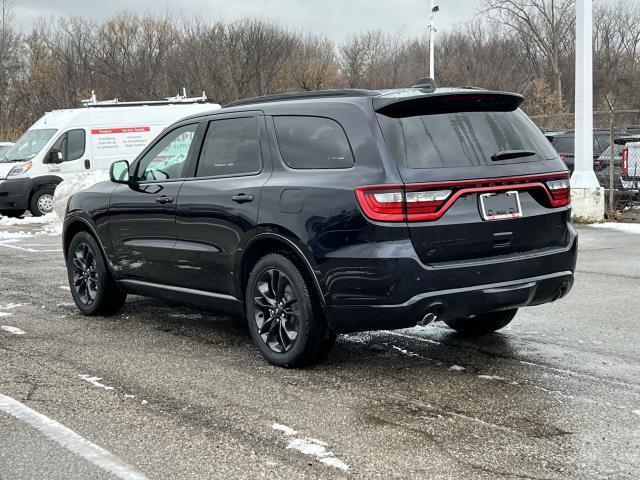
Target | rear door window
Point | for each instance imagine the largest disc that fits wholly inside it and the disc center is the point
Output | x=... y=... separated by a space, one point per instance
x=461 y=139
x=231 y=147
x=312 y=143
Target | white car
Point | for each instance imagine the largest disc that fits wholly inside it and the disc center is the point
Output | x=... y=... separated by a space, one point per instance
x=66 y=142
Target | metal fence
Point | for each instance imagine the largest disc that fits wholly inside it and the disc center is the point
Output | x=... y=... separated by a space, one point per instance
x=616 y=134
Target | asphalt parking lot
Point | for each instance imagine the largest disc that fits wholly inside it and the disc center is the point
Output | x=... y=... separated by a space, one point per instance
x=163 y=391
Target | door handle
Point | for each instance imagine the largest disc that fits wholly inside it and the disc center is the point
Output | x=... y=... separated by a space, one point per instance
x=163 y=200
x=242 y=198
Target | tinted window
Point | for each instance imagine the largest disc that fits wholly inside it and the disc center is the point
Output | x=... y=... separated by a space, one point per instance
x=564 y=145
x=231 y=147
x=462 y=139
x=312 y=142
x=75 y=144
x=167 y=159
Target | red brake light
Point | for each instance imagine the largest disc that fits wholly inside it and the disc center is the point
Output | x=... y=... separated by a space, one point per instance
x=624 y=162
x=384 y=204
x=560 y=191
x=421 y=205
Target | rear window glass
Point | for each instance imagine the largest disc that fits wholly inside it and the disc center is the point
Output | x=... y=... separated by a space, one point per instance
x=312 y=143
x=462 y=139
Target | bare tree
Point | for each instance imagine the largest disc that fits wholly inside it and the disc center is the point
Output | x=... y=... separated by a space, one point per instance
x=544 y=24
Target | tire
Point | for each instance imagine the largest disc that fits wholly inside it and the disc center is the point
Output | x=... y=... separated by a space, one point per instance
x=41 y=202
x=93 y=288
x=12 y=213
x=285 y=324
x=482 y=324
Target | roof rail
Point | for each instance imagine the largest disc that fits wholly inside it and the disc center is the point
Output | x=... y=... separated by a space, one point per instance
x=348 y=92
x=93 y=101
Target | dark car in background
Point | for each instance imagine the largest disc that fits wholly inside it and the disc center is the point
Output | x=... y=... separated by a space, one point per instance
x=330 y=212
x=564 y=143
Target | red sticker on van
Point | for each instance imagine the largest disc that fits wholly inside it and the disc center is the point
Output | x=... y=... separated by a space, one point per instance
x=106 y=131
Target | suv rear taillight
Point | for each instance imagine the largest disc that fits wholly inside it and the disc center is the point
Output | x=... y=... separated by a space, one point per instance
x=624 y=161
x=560 y=191
x=429 y=202
x=421 y=205
x=385 y=204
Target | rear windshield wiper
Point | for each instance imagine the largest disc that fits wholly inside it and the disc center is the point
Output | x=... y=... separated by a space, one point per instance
x=511 y=154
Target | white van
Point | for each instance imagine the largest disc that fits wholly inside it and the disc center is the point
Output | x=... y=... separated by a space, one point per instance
x=66 y=142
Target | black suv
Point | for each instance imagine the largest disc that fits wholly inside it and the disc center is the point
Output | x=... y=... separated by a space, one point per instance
x=330 y=212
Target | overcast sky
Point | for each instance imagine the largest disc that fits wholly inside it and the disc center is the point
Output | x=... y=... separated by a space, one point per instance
x=334 y=18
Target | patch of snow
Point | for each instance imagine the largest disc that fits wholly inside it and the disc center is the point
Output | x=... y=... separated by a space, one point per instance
x=284 y=429
x=405 y=352
x=65 y=287
x=126 y=395
x=10 y=306
x=636 y=412
x=457 y=368
x=335 y=462
x=492 y=377
x=95 y=381
x=4 y=314
x=312 y=447
x=12 y=330
x=9 y=221
x=633 y=228
x=74 y=184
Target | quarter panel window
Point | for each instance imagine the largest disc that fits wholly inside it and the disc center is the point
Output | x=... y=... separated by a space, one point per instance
x=313 y=143
x=167 y=159
x=231 y=147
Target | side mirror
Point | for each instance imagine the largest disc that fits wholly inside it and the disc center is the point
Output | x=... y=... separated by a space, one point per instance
x=54 y=156
x=119 y=172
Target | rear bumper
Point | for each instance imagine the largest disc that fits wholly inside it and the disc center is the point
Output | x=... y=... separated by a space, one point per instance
x=408 y=290
x=449 y=304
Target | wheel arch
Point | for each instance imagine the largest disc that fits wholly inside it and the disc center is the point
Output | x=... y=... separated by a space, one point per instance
x=265 y=243
x=38 y=183
x=77 y=225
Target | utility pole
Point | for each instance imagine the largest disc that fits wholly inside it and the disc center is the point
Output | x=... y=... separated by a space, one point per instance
x=586 y=194
x=432 y=37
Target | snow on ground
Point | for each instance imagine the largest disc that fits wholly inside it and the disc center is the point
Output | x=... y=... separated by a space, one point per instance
x=95 y=381
x=311 y=446
x=12 y=330
x=621 y=227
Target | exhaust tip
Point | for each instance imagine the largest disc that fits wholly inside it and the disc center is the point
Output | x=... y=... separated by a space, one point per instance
x=427 y=319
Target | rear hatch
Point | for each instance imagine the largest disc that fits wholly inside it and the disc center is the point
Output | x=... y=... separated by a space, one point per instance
x=480 y=179
x=631 y=163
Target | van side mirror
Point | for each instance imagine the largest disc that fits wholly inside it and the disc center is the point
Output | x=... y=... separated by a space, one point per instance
x=119 y=172
x=54 y=156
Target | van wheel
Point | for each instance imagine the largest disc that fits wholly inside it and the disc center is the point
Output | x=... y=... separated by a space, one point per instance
x=41 y=202
x=12 y=213
x=482 y=324
x=285 y=325
x=93 y=288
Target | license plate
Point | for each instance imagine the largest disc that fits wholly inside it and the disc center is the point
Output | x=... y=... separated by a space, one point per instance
x=500 y=206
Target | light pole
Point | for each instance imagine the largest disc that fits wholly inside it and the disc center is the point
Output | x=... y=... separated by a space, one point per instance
x=586 y=194
x=432 y=36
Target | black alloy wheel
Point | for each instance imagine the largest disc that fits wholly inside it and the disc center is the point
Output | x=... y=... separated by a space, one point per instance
x=85 y=275
x=276 y=310
x=92 y=285
x=285 y=319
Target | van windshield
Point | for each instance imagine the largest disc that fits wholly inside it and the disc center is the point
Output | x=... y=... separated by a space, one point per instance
x=461 y=139
x=28 y=146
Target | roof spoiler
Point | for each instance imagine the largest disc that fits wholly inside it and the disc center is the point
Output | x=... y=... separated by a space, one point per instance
x=447 y=102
